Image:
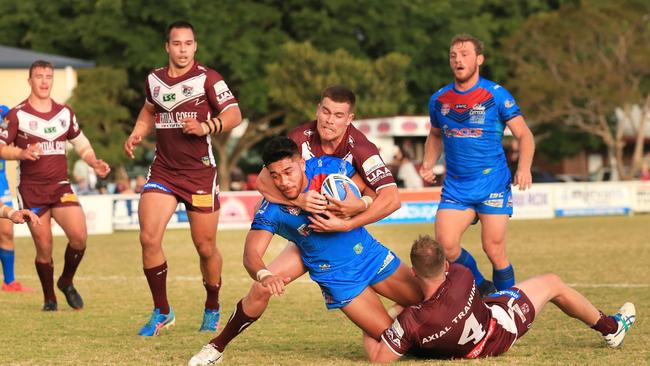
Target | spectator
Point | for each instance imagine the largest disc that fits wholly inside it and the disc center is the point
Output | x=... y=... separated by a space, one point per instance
x=406 y=171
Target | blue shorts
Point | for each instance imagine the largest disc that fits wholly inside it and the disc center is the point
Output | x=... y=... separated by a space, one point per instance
x=4 y=190
x=341 y=286
x=486 y=194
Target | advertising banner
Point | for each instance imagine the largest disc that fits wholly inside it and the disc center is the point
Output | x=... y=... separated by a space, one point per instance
x=586 y=199
x=534 y=203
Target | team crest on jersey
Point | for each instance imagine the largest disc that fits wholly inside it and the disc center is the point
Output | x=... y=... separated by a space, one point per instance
x=444 y=110
x=508 y=103
x=33 y=125
x=187 y=90
x=295 y=211
x=156 y=91
x=63 y=123
x=308 y=133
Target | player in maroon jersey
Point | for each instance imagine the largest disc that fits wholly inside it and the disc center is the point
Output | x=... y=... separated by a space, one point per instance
x=39 y=129
x=186 y=102
x=455 y=322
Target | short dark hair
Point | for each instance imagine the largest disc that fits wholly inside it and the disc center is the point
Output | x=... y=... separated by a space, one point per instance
x=179 y=24
x=278 y=148
x=40 y=63
x=339 y=94
x=465 y=37
x=427 y=257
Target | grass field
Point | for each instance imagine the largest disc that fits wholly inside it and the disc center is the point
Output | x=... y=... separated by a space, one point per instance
x=606 y=258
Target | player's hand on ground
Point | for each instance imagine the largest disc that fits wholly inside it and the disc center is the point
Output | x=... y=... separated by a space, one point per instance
x=23 y=216
x=523 y=179
x=328 y=222
x=311 y=201
x=426 y=172
x=33 y=152
x=350 y=206
x=192 y=126
x=275 y=283
x=130 y=144
x=101 y=168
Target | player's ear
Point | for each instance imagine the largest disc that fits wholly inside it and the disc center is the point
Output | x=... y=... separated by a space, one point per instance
x=480 y=59
x=350 y=118
x=446 y=266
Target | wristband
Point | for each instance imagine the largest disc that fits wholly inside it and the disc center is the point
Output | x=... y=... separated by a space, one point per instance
x=220 y=125
x=367 y=200
x=7 y=214
x=206 y=128
x=263 y=273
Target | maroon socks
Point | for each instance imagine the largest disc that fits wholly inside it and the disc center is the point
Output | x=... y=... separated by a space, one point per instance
x=237 y=323
x=157 y=279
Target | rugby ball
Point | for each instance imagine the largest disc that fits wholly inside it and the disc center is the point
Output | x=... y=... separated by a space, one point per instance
x=334 y=186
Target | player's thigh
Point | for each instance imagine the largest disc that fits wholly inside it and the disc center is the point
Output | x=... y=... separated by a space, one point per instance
x=401 y=287
x=73 y=222
x=288 y=263
x=6 y=234
x=42 y=232
x=494 y=228
x=203 y=227
x=154 y=211
x=540 y=290
x=368 y=313
x=451 y=224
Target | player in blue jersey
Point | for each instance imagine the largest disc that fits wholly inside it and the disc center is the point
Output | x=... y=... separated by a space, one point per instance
x=468 y=118
x=7 y=251
x=350 y=267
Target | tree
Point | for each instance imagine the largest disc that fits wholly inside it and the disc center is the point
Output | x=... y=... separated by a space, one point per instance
x=578 y=65
x=295 y=81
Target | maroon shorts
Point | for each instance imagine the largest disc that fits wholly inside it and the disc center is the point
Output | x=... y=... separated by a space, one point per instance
x=512 y=316
x=198 y=190
x=39 y=198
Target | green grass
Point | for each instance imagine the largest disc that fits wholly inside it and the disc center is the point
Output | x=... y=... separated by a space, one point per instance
x=297 y=329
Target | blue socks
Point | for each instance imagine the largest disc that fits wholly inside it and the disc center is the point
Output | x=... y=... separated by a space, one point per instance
x=7 y=259
x=503 y=278
x=467 y=260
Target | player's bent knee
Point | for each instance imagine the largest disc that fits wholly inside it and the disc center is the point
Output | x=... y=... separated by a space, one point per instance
x=259 y=292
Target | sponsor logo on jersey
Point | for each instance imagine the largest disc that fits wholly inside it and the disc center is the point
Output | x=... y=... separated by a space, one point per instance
x=477 y=114
x=395 y=333
x=465 y=132
x=33 y=125
x=378 y=175
x=69 y=197
x=202 y=200
x=304 y=230
x=509 y=103
x=324 y=267
x=187 y=90
x=154 y=185
x=358 y=248
x=389 y=258
x=444 y=110
x=494 y=203
x=224 y=97
x=350 y=141
x=372 y=163
x=199 y=101
x=205 y=160
x=156 y=91
x=171 y=97
x=460 y=106
x=220 y=87
x=49 y=129
x=308 y=133
x=53 y=147
x=510 y=293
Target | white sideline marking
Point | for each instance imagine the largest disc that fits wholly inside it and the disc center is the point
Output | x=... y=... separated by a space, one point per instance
x=305 y=279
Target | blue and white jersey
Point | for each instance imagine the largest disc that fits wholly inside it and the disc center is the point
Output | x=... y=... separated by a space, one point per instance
x=320 y=252
x=472 y=124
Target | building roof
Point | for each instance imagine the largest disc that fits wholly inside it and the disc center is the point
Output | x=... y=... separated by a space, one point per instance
x=17 y=58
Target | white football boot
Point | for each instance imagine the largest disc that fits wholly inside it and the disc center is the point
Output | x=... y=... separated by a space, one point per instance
x=625 y=317
x=208 y=355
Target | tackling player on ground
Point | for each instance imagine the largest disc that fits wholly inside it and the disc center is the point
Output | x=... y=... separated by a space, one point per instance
x=350 y=267
x=454 y=322
x=36 y=134
x=468 y=117
x=187 y=102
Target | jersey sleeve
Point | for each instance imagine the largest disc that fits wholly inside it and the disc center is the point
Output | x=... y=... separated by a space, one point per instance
x=349 y=169
x=219 y=94
x=368 y=162
x=396 y=338
x=73 y=129
x=147 y=90
x=433 y=117
x=9 y=128
x=265 y=218
x=506 y=104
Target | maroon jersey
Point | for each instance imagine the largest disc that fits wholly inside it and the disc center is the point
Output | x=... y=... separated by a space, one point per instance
x=201 y=93
x=25 y=126
x=457 y=323
x=355 y=149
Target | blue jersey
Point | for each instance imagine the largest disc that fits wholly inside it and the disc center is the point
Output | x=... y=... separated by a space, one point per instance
x=472 y=124
x=5 y=193
x=320 y=252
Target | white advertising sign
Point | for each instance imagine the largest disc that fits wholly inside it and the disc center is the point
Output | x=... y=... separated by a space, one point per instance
x=586 y=199
x=534 y=203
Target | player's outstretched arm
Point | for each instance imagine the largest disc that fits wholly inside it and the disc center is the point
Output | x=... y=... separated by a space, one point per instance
x=432 y=150
x=377 y=351
x=523 y=177
x=257 y=241
x=143 y=126
x=311 y=201
x=18 y=216
x=10 y=152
